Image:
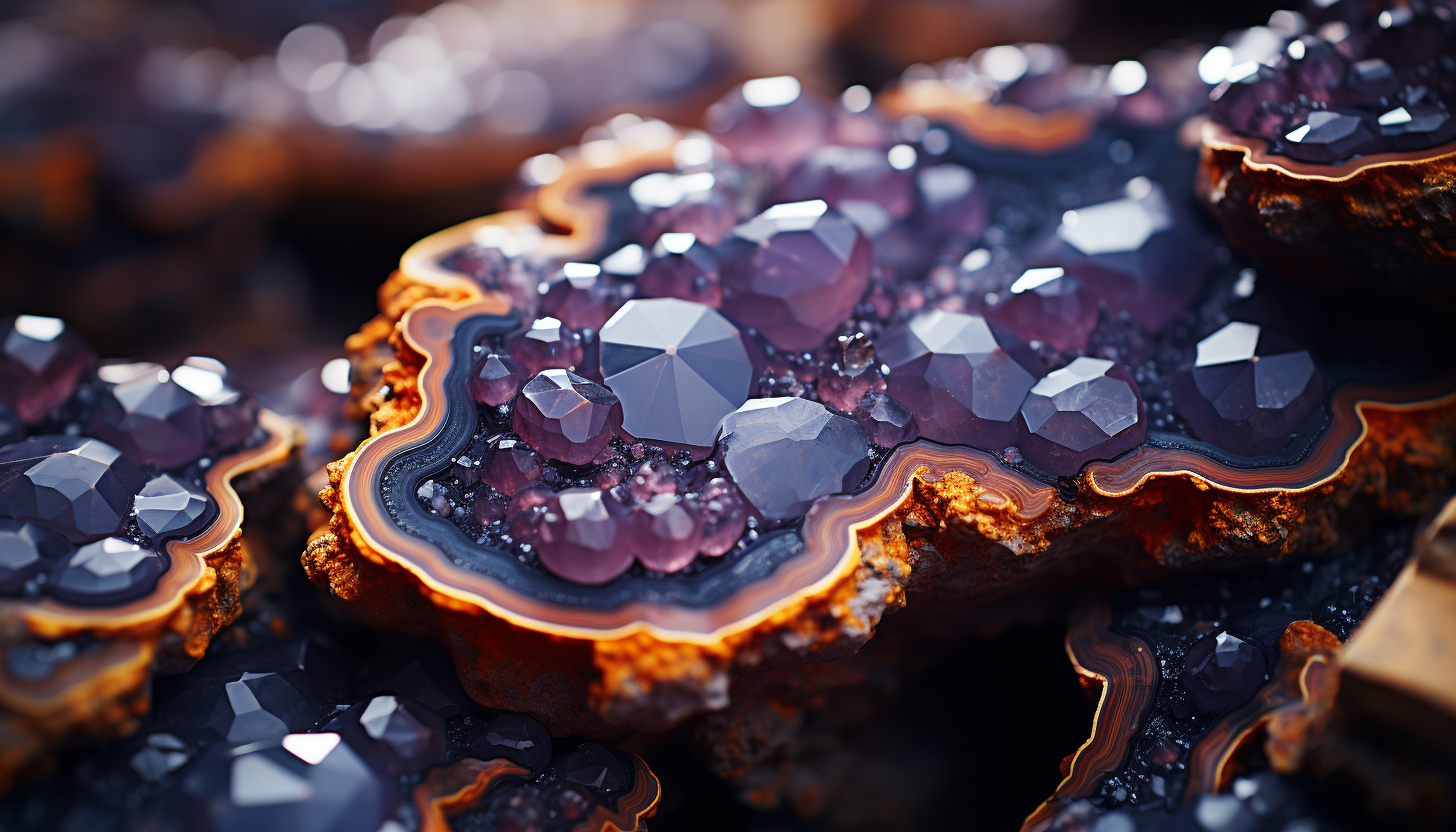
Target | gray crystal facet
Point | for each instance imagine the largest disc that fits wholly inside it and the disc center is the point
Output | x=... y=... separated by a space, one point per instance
x=784 y=453
x=388 y=720
x=81 y=488
x=1090 y=409
x=165 y=506
x=109 y=571
x=678 y=367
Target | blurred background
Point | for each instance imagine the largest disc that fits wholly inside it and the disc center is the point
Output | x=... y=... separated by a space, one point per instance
x=234 y=178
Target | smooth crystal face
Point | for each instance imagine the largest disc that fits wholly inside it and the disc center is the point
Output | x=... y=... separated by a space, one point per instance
x=166 y=507
x=595 y=767
x=494 y=379
x=413 y=735
x=41 y=360
x=677 y=367
x=273 y=787
x=26 y=551
x=566 y=417
x=580 y=296
x=110 y=571
x=548 y=345
x=1222 y=672
x=152 y=419
x=1090 y=409
x=696 y=203
x=783 y=453
x=1136 y=253
x=79 y=488
x=1248 y=390
x=964 y=379
x=794 y=273
x=858 y=182
x=887 y=422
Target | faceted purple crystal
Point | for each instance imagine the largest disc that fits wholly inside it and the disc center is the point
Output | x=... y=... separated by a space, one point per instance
x=664 y=532
x=547 y=345
x=269 y=786
x=795 y=273
x=40 y=361
x=410 y=737
x=688 y=203
x=886 y=421
x=508 y=464
x=577 y=535
x=26 y=550
x=516 y=737
x=1249 y=104
x=963 y=378
x=566 y=417
x=682 y=267
x=784 y=453
x=1222 y=672
x=954 y=203
x=1047 y=305
x=1417 y=126
x=723 y=517
x=595 y=767
x=166 y=507
x=1319 y=74
x=1327 y=136
x=1136 y=253
x=678 y=368
x=110 y=571
x=488 y=506
x=229 y=415
x=858 y=182
x=580 y=296
x=152 y=419
x=80 y=488
x=770 y=122
x=1248 y=389
x=494 y=379
x=1090 y=409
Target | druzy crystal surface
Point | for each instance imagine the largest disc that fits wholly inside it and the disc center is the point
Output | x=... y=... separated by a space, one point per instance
x=1090 y=409
x=794 y=273
x=566 y=417
x=962 y=377
x=1248 y=390
x=41 y=360
x=783 y=453
x=677 y=367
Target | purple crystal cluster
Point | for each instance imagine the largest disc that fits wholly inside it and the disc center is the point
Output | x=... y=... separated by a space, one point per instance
x=812 y=284
x=102 y=465
x=1343 y=79
x=292 y=734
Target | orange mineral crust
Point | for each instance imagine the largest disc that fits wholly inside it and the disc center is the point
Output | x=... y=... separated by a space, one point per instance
x=103 y=686
x=1390 y=214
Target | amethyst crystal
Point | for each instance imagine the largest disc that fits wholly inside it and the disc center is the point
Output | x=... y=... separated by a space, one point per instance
x=722 y=515
x=963 y=378
x=579 y=296
x=665 y=532
x=770 y=122
x=784 y=453
x=494 y=379
x=26 y=550
x=858 y=182
x=108 y=572
x=1047 y=305
x=165 y=507
x=955 y=204
x=1222 y=672
x=1328 y=136
x=517 y=738
x=566 y=417
x=1090 y=409
x=794 y=273
x=886 y=421
x=80 y=488
x=691 y=203
x=40 y=361
x=152 y=419
x=678 y=368
x=682 y=267
x=578 y=535
x=547 y=345
x=1248 y=390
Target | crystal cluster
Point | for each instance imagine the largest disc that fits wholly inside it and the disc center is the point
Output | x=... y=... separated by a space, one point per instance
x=818 y=284
x=1345 y=79
x=102 y=465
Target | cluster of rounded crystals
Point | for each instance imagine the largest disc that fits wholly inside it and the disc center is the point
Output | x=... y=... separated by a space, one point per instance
x=101 y=466
x=783 y=300
x=1341 y=79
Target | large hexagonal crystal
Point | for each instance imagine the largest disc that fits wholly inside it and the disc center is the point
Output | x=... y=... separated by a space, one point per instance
x=566 y=417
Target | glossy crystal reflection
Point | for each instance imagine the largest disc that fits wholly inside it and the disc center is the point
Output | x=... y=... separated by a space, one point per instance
x=784 y=453
x=1090 y=409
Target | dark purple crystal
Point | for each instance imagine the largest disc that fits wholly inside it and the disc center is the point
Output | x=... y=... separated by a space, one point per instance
x=886 y=420
x=27 y=550
x=1047 y=305
x=80 y=488
x=1248 y=390
x=858 y=182
x=110 y=571
x=784 y=453
x=566 y=417
x=794 y=273
x=664 y=532
x=547 y=345
x=963 y=378
x=517 y=738
x=1222 y=672
x=580 y=296
x=166 y=507
x=40 y=361
x=1090 y=409
x=770 y=122
x=152 y=419
x=494 y=379
x=578 y=535
x=682 y=267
